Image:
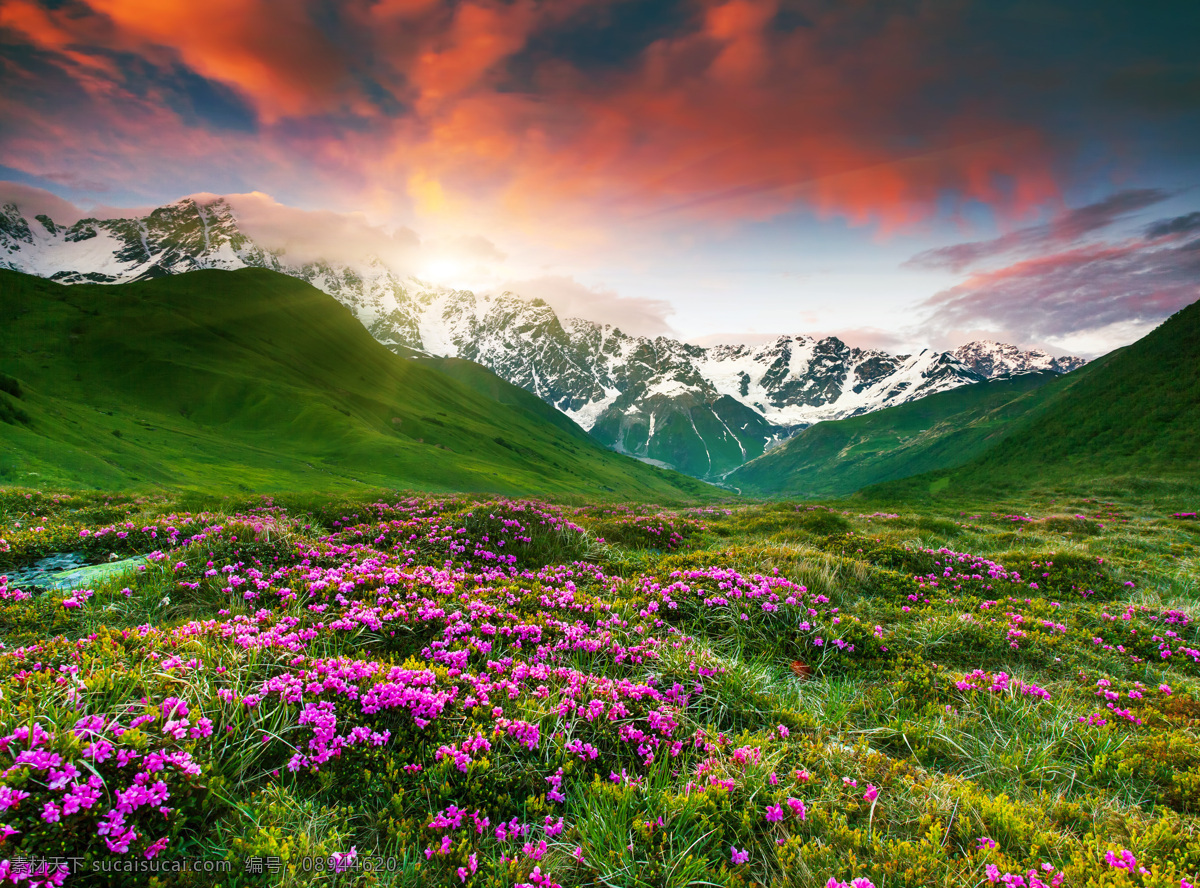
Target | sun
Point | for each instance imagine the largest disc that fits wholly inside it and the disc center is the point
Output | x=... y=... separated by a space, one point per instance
x=443 y=269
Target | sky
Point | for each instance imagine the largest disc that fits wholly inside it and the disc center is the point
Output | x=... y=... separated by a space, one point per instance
x=900 y=174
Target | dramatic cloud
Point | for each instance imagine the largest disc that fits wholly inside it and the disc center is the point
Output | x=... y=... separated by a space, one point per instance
x=583 y=137
x=571 y=299
x=1066 y=228
x=708 y=109
x=1095 y=293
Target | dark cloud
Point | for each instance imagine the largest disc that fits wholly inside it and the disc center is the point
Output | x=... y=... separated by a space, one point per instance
x=1163 y=87
x=199 y=101
x=596 y=39
x=1178 y=225
x=1065 y=229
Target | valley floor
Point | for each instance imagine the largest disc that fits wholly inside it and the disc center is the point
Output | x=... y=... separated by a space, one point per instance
x=420 y=690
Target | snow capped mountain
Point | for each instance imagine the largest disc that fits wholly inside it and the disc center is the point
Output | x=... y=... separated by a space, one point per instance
x=704 y=411
x=992 y=359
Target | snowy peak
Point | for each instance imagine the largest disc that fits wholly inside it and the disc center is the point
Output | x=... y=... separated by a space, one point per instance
x=991 y=359
x=704 y=411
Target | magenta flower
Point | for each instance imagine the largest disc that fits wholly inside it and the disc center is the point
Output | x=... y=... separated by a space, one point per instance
x=342 y=860
x=775 y=813
x=871 y=794
x=738 y=857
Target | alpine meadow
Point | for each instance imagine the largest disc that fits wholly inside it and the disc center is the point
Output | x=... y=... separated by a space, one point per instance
x=599 y=444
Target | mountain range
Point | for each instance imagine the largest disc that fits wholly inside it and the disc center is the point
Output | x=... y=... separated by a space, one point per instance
x=702 y=410
x=251 y=380
x=1133 y=413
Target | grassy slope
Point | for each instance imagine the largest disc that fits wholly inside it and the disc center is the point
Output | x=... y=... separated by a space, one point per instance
x=254 y=380
x=1135 y=413
x=481 y=379
x=938 y=431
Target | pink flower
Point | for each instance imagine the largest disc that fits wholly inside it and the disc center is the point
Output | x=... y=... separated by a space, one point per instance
x=343 y=860
x=738 y=857
x=775 y=813
x=119 y=844
x=154 y=849
x=871 y=794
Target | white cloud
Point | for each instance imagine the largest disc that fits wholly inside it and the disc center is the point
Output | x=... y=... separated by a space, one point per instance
x=571 y=299
x=33 y=201
x=309 y=235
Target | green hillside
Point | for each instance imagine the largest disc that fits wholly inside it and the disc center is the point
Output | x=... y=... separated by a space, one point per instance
x=254 y=380
x=1134 y=413
x=936 y=432
x=481 y=379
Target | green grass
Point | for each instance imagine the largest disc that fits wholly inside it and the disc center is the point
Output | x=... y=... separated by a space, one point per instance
x=1126 y=421
x=955 y=762
x=935 y=432
x=1137 y=411
x=254 y=381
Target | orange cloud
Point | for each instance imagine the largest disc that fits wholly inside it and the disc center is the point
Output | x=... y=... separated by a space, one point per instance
x=726 y=119
x=271 y=50
x=480 y=36
x=733 y=121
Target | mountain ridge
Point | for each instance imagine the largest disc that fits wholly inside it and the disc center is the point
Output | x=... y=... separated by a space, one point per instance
x=703 y=410
x=251 y=377
x=1133 y=412
x=938 y=432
